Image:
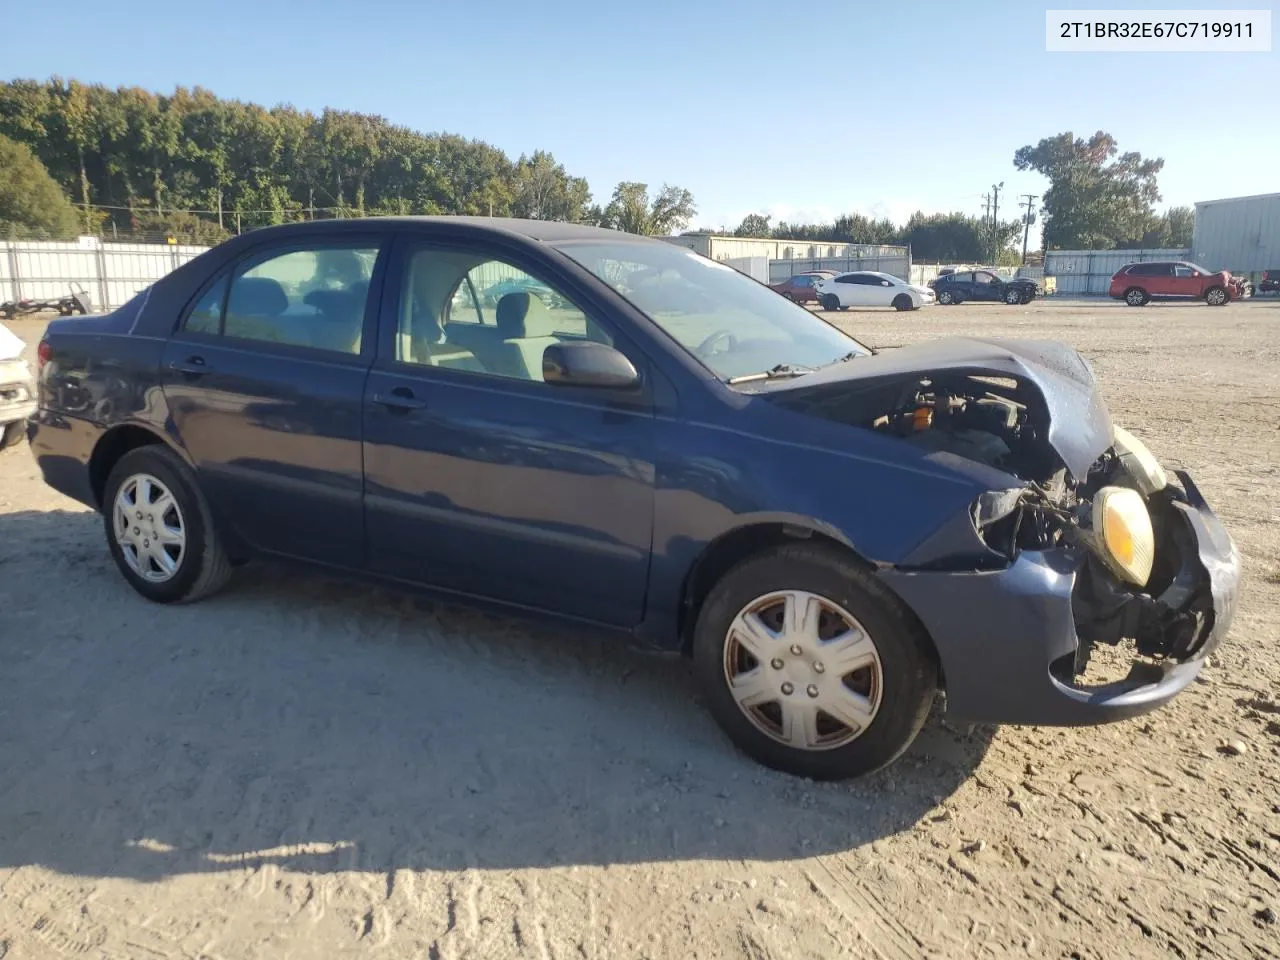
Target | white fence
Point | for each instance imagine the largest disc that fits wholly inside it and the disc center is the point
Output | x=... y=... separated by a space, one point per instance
x=1089 y=272
x=111 y=273
x=896 y=264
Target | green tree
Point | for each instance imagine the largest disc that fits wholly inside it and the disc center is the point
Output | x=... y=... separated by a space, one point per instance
x=632 y=211
x=754 y=225
x=1096 y=199
x=542 y=190
x=31 y=202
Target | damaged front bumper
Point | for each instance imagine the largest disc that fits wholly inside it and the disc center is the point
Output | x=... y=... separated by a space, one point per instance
x=17 y=392
x=1009 y=640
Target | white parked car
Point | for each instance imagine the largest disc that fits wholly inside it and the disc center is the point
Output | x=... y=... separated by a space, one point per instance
x=866 y=288
x=17 y=389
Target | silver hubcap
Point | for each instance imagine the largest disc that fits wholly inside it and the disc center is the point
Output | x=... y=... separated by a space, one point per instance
x=149 y=528
x=1216 y=297
x=803 y=670
x=944 y=298
x=1012 y=296
x=1135 y=298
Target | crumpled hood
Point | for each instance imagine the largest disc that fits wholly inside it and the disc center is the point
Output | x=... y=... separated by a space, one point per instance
x=1079 y=424
x=10 y=344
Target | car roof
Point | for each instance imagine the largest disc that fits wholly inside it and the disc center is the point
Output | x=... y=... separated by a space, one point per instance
x=544 y=230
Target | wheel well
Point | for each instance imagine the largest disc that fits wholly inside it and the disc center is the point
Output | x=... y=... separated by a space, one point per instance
x=723 y=553
x=114 y=445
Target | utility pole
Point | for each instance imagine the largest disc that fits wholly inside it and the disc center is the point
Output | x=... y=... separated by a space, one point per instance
x=1030 y=203
x=995 y=220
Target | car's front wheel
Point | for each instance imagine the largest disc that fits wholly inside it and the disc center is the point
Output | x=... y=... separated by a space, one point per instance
x=830 y=301
x=11 y=434
x=1013 y=296
x=812 y=666
x=1135 y=297
x=903 y=302
x=1215 y=296
x=159 y=528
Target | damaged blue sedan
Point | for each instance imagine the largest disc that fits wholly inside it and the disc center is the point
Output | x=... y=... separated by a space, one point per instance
x=636 y=437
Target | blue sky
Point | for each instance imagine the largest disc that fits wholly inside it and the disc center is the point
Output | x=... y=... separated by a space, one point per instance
x=803 y=111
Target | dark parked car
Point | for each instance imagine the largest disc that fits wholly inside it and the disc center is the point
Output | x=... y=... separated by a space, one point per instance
x=965 y=285
x=1139 y=283
x=675 y=454
x=1270 y=282
x=802 y=288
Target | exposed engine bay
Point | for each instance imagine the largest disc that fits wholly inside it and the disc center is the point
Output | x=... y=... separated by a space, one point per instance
x=1138 y=577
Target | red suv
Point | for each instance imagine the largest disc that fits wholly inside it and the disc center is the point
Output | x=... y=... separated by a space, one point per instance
x=1138 y=283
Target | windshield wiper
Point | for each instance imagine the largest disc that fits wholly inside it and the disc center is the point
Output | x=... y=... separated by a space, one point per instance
x=781 y=370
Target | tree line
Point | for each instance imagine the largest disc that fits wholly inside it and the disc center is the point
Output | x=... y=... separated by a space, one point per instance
x=1097 y=199
x=200 y=167
x=940 y=237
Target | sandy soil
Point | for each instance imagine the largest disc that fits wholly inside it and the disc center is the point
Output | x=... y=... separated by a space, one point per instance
x=303 y=767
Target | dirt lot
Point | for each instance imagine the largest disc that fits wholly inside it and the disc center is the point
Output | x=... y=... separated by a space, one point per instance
x=303 y=767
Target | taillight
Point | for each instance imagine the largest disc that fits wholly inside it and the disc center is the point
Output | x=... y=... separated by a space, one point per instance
x=44 y=353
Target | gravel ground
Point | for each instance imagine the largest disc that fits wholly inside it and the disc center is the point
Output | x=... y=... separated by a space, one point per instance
x=304 y=767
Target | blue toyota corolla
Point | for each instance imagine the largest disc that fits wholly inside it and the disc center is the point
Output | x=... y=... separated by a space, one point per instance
x=633 y=436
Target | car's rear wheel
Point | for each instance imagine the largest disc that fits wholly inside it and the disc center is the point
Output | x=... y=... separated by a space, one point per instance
x=947 y=298
x=903 y=302
x=811 y=666
x=159 y=528
x=1215 y=296
x=1136 y=297
x=830 y=301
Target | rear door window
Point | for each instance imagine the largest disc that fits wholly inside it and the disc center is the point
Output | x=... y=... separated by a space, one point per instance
x=303 y=297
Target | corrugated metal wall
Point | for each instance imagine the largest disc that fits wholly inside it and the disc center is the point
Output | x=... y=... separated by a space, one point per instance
x=1083 y=272
x=1241 y=235
x=111 y=273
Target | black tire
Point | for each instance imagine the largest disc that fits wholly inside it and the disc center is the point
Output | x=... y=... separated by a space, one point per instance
x=948 y=298
x=903 y=302
x=908 y=668
x=11 y=434
x=1216 y=296
x=831 y=302
x=1013 y=296
x=203 y=567
x=1136 y=297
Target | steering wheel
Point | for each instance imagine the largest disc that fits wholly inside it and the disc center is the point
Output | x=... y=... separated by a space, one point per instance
x=705 y=348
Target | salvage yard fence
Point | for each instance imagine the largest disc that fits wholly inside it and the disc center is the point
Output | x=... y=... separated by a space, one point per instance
x=1089 y=272
x=111 y=273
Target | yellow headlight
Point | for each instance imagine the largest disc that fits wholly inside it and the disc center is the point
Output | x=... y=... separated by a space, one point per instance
x=1124 y=535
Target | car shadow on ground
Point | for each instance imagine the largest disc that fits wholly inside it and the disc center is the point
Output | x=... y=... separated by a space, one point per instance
x=324 y=724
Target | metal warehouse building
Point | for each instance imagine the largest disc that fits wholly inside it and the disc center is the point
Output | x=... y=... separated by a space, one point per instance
x=718 y=247
x=1241 y=234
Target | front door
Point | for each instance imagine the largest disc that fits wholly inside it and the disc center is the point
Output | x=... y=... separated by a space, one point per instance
x=482 y=479
x=1186 y=281
x=264 y=380
x=986 y=286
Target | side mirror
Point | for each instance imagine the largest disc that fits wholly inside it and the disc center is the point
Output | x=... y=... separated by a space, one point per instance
x=585 y=363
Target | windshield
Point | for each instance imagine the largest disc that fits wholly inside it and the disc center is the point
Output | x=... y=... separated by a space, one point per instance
x=735 y=326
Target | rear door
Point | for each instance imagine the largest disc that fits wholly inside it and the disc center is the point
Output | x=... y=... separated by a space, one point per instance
x=264 y=380
x=482 y=479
